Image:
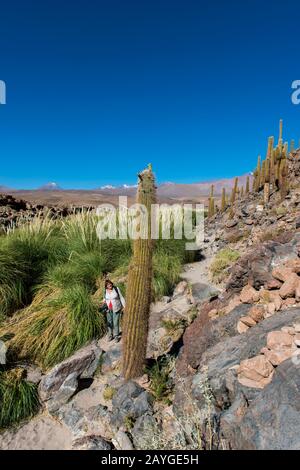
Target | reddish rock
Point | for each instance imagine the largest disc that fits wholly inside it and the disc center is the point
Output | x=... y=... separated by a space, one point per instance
x=271 y=309
x=242 y=327
x=255 y=372
x=293 y=264
x=297 y=327
x=248 y=321
x=276 y=300
x=297 y=339
x=297 y=291
x=288 y=288
x=279 y=340
x=288 y=329
x=273 y=284
x=277 y=357
x=249 y=295
x=257 y=313
x=282 y=273
x=288 y=303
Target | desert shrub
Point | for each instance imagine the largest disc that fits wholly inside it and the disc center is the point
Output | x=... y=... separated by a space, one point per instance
x=108 y=392
x=18 y=398
x=159 y=376
x=222 y=261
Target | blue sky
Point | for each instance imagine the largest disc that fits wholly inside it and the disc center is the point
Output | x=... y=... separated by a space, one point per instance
x=98 y=89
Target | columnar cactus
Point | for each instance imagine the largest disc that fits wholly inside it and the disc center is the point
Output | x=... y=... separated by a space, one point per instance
x=247 y=189
x=223 y=200
x=136 y=319
x=234 y=191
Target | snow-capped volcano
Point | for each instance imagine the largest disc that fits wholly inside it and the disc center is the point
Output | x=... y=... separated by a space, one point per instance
x=50 y=187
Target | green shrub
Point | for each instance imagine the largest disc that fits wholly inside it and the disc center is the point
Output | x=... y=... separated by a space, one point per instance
x=222 y=261
x=18 y=398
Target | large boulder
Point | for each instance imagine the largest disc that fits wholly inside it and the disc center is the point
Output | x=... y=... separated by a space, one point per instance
x=233 y=399
x=61 y=382
x=129 y=403
x=272 y=420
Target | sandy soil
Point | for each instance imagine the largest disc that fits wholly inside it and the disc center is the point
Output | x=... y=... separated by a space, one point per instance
x=41 y=433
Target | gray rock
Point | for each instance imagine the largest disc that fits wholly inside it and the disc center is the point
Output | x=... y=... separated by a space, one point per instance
x=272 y=421
x=130 y=402
x=91 y=443
x=33 y=374
x=249 y=417
x=121 y=441
x=3 y=350
x=111 y=363
x=144 y=428
x=61 y=382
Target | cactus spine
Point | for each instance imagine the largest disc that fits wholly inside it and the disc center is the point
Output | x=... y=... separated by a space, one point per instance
x=135 y=328
x=247 y=190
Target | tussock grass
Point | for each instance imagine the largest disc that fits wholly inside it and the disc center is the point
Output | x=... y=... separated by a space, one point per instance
x=18 y=398
x=55 y=325
x=222 y=261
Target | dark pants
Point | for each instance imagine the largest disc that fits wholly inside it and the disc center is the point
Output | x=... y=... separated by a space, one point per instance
x=113 y=322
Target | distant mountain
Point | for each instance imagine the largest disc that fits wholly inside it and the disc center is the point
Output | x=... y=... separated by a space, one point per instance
x=50 y=187
x=4 y=189
x=180 y=191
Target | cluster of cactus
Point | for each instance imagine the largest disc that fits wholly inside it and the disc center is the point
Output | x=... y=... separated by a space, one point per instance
x=271 y=173
x=138 y=298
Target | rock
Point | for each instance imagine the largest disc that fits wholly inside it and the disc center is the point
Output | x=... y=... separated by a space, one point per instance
x=203 y=334
x=111 y=363
x=242 y=327
x=61 y=382
x=121 y=441
x=257 y=313
x=271 y=308
x=180 y=289
x=233 y=303
x=249 y=295
x=288 y=329
x=231 y=223
x=288 y=288
x=279 y=340
x=297 y=339
x=297 y=291
x=248 y=321
x=282 y=273
x=279 y=356
x=273 y=284
x=3 y=350
x=288 y=303
x=272 y=420
x=144 y=432
x=297 y=327
x=91 y=443
x=256 y=370
x=87 y=420
x=33 y=374
x=130 y=402
x=275 y=299
x=294 y=265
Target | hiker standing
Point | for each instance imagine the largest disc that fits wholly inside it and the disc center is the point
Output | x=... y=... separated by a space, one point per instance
x=115 y=303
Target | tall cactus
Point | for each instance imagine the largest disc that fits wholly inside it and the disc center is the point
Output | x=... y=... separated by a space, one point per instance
x=247 y=190
x=136 y=319
x=223 y=200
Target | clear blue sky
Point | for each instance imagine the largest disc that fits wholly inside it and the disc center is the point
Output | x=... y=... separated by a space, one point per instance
x=98 y=89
